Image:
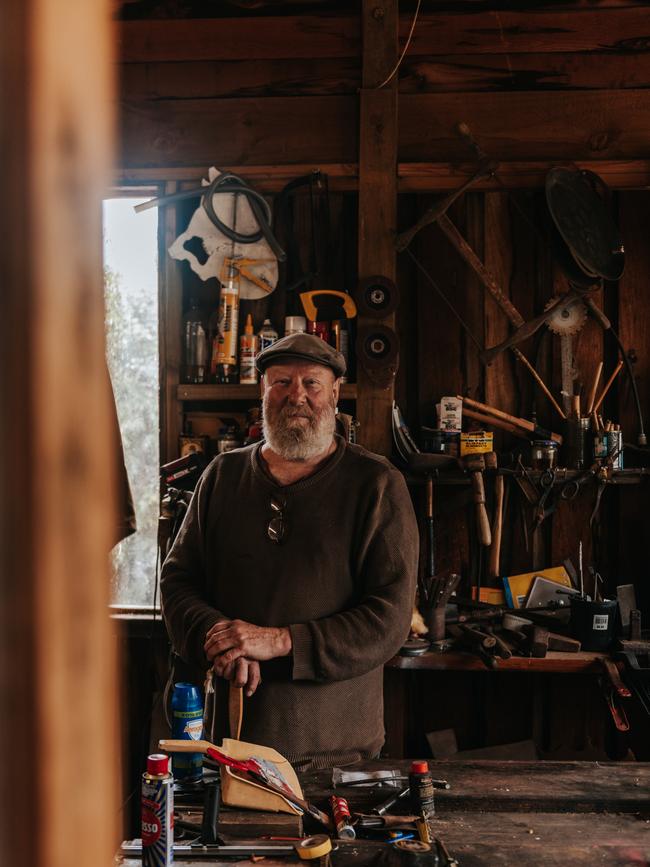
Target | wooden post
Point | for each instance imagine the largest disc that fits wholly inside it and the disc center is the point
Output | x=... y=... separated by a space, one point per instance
x=171 y=350
x=59 y=801
x=377 y=196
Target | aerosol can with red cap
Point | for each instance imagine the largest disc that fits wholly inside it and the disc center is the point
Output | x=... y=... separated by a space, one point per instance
x=157 y=813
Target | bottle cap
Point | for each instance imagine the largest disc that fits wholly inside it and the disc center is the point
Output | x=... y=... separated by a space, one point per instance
x=420 y=767
x=158 y=765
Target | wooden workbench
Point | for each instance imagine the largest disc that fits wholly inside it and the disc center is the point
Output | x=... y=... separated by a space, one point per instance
x=518 y=813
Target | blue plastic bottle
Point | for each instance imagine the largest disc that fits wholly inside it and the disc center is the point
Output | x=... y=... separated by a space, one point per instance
x=187 y=724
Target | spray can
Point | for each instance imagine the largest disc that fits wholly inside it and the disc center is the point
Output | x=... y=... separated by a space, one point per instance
x=342 y=818
x=267 y=335
x=248 y=350
x=187 y=724
x=226 y=343
x=422 y=791
x=157 y=813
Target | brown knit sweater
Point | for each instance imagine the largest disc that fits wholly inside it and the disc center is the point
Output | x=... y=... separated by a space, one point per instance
x=343 y=581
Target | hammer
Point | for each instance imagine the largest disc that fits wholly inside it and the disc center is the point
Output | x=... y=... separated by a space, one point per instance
x=474 y=465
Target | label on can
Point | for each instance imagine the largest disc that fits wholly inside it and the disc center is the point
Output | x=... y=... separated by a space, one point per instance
x=600 y=621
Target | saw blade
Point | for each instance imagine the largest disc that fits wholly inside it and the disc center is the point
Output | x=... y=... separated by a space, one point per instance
x=567 y=319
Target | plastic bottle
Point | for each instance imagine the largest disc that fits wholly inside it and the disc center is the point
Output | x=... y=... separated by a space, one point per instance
x=195 y=344
x=248 y=351
x=267 y=335
x=187 y=724
x=157 y=813
x=294 y=325
x=422 y=791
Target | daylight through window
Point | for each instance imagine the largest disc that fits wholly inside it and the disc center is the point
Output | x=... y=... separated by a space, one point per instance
x=131 y=295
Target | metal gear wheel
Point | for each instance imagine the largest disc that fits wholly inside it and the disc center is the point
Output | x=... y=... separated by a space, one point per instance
x=567 y=319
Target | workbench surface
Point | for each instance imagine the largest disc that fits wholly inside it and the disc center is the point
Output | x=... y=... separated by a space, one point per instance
x=517 y=813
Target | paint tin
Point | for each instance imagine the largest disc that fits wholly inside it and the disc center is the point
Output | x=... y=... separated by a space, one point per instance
x=600 y=445
x=615 y=448
x=157 y=813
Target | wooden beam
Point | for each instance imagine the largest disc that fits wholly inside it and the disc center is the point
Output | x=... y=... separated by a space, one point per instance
x=597 y=70
x=462 y=32
x=411 y=177
x=59 y=789
x=511 y=127
x=377 y=199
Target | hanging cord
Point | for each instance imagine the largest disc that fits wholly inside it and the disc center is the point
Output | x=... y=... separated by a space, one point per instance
x=224 y=184
x=404 y=50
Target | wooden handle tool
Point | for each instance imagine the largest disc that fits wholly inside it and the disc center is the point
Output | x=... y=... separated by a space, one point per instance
x=495 y=550
x=522 y=423
x=608 y=385
x=594 y=386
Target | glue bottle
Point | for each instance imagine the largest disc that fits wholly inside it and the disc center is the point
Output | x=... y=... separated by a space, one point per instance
x=187 y=724
x=157 y=813
x=248 y=350
x=267 y=335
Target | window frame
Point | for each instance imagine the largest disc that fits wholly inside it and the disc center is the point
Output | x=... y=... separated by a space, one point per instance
x=151 y=190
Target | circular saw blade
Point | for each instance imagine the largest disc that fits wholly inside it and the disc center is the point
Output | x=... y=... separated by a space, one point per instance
x=567 y=318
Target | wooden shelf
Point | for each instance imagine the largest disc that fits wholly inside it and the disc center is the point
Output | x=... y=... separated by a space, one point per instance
x=565 y=663
x=241 y=392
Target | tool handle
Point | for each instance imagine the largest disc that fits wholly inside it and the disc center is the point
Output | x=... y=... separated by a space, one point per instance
x=594 y=386
x=210 y=821
x=495 y=550
x=482 y=520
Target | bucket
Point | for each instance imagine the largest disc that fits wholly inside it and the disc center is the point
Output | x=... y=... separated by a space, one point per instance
x=593 y=623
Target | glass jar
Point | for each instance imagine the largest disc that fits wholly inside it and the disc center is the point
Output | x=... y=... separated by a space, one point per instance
x=543 y=454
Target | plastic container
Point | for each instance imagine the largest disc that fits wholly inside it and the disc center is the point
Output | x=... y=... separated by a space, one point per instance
x=295 y=325
x=593 y=623
x=187 y=724
x=543 y=454
x=195 y=345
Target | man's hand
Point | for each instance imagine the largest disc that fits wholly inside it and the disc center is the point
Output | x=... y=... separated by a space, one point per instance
x=244 y=673
x=230 y=640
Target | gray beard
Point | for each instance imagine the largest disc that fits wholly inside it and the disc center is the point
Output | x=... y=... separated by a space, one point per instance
x=297 y=441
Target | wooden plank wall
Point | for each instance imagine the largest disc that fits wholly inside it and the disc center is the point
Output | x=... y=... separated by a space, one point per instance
x=547 y=83
x=553 y=84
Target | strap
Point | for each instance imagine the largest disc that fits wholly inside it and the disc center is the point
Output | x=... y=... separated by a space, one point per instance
x=235 y=710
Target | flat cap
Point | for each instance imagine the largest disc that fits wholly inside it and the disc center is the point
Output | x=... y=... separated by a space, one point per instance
x=302 y=347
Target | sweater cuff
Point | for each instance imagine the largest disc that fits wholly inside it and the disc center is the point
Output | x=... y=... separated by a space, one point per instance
x=302 y=651
x=206 y=624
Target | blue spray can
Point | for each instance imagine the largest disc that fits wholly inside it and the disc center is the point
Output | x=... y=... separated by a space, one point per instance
x=187 y=724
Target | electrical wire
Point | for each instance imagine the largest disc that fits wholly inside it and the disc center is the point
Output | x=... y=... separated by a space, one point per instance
x=404 y=50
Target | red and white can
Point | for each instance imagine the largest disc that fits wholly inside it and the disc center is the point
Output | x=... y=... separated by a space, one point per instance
x=342 y=819
x=157 y=813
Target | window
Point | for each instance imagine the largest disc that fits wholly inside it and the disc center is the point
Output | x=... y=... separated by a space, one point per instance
x=131 y=296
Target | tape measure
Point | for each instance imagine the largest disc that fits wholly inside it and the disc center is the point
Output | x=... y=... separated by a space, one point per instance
x=314 y=847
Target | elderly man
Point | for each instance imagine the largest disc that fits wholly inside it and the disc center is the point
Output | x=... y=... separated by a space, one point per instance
x=293 y=574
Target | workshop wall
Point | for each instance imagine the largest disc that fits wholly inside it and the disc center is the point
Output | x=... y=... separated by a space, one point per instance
x=273 y=95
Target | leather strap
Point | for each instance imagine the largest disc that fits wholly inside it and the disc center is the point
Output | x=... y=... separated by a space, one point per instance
x=235 y=710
